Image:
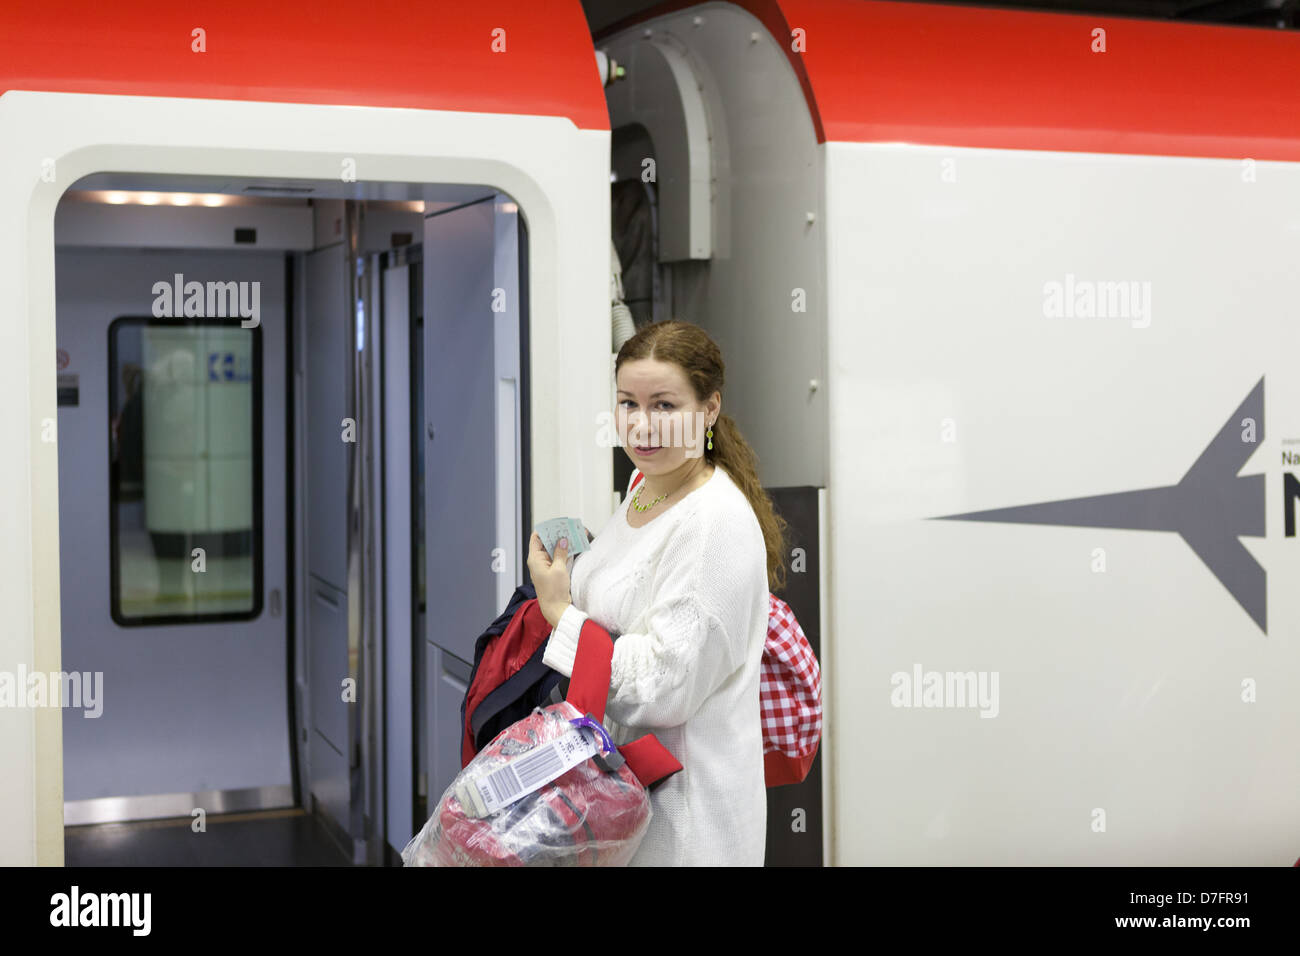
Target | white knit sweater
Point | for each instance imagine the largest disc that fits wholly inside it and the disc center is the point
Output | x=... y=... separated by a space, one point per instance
x=685 y=598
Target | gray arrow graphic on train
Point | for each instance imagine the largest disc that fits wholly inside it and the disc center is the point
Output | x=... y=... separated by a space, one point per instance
x=1212 y=507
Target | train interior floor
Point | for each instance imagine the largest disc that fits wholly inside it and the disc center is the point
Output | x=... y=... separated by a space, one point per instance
x=267 y=838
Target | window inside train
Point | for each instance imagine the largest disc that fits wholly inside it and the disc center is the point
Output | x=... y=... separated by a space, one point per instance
x=185 y=470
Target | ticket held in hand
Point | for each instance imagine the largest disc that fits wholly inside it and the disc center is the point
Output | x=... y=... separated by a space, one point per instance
x=553 y=530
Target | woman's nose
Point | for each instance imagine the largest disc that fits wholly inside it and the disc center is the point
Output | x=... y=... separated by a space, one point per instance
x=638 y=425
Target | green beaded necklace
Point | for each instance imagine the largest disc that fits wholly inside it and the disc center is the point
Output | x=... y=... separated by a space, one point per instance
x=636 y=497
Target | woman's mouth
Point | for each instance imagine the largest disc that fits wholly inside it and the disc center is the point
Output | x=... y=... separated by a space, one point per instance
x=646 y=451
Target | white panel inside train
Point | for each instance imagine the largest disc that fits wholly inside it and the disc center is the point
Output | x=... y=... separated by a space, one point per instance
x=291 y=481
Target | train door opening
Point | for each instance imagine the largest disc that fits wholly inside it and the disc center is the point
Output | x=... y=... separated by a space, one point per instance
x=260 y=501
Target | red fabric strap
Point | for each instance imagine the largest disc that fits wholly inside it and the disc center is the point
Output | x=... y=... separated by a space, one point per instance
x=650 y=760
x=589 y=683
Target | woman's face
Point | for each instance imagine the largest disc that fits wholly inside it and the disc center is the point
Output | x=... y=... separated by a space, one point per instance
x=660 y=423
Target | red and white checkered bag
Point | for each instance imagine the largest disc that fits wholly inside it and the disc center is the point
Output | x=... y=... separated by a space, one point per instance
x=789 y=693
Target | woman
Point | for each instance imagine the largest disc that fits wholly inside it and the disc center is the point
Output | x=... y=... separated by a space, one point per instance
x=680 y=578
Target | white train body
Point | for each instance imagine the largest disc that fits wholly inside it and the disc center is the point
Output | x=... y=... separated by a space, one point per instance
x=949 y=284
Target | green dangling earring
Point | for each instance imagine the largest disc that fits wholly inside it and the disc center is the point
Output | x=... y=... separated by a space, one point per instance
x=709 y=434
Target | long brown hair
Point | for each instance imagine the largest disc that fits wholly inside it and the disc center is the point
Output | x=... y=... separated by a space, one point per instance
x=690 y=349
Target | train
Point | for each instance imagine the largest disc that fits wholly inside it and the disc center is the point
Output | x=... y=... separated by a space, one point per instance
x=307 y=322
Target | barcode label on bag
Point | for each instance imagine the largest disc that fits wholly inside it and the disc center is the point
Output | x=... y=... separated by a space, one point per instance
x=526 y=773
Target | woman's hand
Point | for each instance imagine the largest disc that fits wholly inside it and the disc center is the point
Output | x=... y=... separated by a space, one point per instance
x=550 y=577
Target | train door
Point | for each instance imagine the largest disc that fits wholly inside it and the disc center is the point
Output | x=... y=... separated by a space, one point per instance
x=470 y=455
x=173 y=540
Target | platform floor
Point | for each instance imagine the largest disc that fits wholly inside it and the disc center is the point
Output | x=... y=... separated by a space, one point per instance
x=266 y=838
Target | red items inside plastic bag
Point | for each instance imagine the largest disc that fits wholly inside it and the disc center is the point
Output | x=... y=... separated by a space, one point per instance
x=588 y=816
x=595 y=813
